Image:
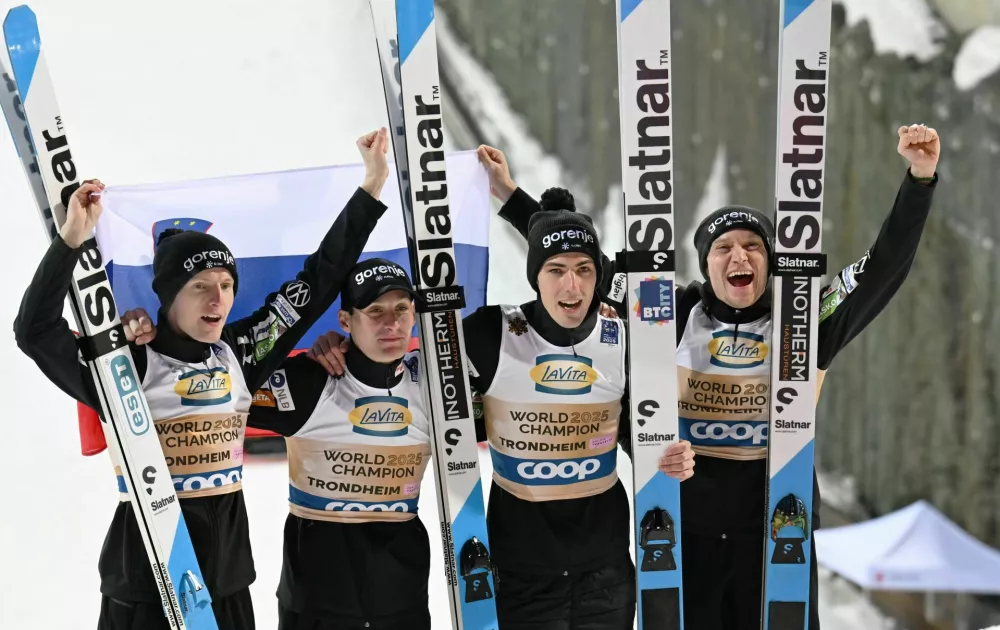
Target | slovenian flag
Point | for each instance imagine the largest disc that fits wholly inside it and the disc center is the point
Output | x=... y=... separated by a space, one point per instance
x=271 y=222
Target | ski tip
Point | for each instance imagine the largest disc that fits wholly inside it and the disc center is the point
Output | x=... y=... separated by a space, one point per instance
x=626 y=7
x=412 y=20
x=18 y=20
x=20 y=29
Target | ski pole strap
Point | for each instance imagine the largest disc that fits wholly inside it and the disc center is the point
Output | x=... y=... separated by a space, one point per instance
x=94 y=346
x=644 y=261
x=801 y=265
x=443 y=299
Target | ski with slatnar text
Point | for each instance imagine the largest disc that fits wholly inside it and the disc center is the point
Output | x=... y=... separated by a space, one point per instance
x=648 y=283
x=36 y=123
x=407 y=48
x=803 y=81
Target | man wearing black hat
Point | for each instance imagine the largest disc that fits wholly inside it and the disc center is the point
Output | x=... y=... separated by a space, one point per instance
x=722 y=506
x=197 y=374
x=355 y=553
x=552 y=377
x=358 y=445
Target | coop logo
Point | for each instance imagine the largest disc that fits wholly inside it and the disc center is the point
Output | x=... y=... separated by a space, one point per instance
x=192 y=483
x=356 y=506
x=745 y=434
x=656 y=300
x=739 y=351
x=567 y=235
x=199 y=388
x=128 y=391
x=563 y=374
x=383 y=416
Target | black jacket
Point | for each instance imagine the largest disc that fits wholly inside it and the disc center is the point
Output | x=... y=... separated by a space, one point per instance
x=217 y=524
x=726 y=496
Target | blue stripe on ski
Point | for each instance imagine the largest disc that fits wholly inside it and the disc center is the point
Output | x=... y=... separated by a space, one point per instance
x=20 y=29
x=412 y=19
x=469 y=522
x=182 y=559
x=627 y=7
x=790 y=582
x=794 y=8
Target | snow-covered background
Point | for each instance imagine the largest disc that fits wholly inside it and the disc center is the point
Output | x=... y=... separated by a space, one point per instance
x=241 y=86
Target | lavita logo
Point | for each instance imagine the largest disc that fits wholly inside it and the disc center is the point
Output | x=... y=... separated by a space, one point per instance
x=563 y=374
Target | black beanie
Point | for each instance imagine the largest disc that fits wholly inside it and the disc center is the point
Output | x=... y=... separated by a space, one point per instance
x=732 y=218
x=181 y=255
x=558 y=229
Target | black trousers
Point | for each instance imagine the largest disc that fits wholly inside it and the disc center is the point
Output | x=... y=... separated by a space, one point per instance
x=603 y=599
x=234 y=612
x=291 y=620
x=723 y=579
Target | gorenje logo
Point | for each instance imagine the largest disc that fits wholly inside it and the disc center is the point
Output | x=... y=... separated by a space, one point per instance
x=569 y=469
x=730 y=217
x=567 y=235
x=361 y=276
x=221 y=255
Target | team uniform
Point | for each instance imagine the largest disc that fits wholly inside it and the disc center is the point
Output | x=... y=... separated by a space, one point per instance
x=723 y=362
x=199 y=396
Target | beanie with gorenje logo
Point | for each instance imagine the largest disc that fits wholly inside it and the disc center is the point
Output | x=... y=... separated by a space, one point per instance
x=559 y=229
x=183 y=254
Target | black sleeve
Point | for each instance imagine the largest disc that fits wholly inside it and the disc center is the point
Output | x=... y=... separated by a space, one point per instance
x=264 y=339
x=44 y=335
x=859 y=292
x=284 y=403
x=518 y=211
x=483 y=333
x=625 y=419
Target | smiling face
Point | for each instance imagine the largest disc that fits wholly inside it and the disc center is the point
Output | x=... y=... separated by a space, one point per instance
x=382 y=329
x=566 y=286
x=737 y=268
x=202 y=305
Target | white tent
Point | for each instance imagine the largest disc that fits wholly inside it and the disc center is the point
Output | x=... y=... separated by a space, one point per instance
x=913 y=549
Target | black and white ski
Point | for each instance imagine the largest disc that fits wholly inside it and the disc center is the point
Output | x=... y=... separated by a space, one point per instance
x=647 y=159
x=408 y=53
x=35 y=121
x=803 y=75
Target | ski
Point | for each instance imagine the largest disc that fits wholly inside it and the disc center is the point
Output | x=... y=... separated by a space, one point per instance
x=407 y=48
x=35 y=122
x=649 y=263
x=803 y=69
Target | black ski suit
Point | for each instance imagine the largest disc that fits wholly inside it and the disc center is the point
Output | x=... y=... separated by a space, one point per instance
x=217 y=524
x=722 y=505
